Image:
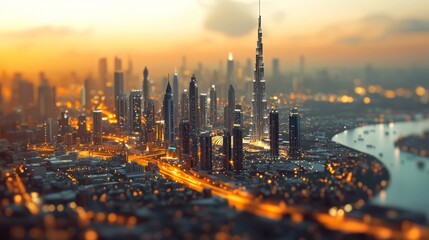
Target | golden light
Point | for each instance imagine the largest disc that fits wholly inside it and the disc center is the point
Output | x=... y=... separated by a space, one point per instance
x=420 y=91
x=360 y=91
x=389 y=94
x=367 y=100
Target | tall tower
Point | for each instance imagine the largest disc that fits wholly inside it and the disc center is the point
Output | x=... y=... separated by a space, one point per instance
x=274 y=133
x=294 y=133
x=135 y=111
x=238 y=155
x=206 y=152
x=203 y=110
x=168 y=112
x=259 y=99
x=230 y=72
x=145 y=88
x=119 y=89
x=184 y=142
x=184 y=104
x=227 y=151
x=193 y=117
x=213 y=106
x=96 y=127
x=231 y=108
x=176 y=99
x=193 y=105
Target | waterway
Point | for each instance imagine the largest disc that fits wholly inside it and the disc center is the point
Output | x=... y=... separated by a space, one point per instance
x=409 y=183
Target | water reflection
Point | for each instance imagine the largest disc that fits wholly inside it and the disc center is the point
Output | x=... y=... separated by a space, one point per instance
x=408 y=187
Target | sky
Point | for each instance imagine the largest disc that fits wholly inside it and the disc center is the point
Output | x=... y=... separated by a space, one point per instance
x=62 y=36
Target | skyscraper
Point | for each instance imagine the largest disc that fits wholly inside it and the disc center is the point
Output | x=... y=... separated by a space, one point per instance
x=119 y=89
x=230 y=72
x=213 y=106
x=135 y=115
x=238 y=115
x=118 y=64
x=193 y=117
x=150 y=122
x=122 y=104
x=193 y=106
x=184 y=104
x=227 y=151
x=294 y=133
x=45 y=101
x=274 y=133
x=206 y=152
x=103 y=75
x=82 y=133
x=88 y=104
x=203 y=110
x=96 y=127
x=259 y=101
x=231 y=108
x=237 y=151
x=145 y=88
x=168 y=114
x=184 y=142
x=176 y=99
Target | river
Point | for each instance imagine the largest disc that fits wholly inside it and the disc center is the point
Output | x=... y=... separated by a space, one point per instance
x=409 y=184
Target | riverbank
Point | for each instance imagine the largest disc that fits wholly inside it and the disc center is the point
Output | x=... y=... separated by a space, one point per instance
x=415 y=144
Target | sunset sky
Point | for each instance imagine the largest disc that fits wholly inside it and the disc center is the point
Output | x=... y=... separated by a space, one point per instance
x=63 y=36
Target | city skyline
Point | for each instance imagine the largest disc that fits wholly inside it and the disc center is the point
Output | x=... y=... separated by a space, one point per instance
x=370 y=32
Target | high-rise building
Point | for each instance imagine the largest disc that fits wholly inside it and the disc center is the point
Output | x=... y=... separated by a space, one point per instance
x=238 y=155
x=238 y=115
x=88 y=88
x=193 y=106
x=45 y=101
x=176 y=99
x=259 y=100
x=119 y=89
x=203 y=110
x=184 y=142
x=135 y=111
x=274 y=133
x=63 y=123
x=122 y=105
x=150 y=122
x=97 y=133
x=227 y=151
x=168 y=114
x=103 y=75
x=294 y=133
x=145 y=88
x=231 y=108
x=213 y=106
x=206 y=152
x=82 y=132
x=184 y=104
x=118 y=64
x=230 y=72
x=194 y=116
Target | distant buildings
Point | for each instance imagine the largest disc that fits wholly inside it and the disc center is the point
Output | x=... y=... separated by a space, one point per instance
x=294 y=133
x=176 y=99
x=96 y=127
x=274 y=133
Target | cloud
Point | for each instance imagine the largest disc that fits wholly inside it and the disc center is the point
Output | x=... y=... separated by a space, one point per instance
x=377 y=28
x=45 y=31
x=231 y=18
